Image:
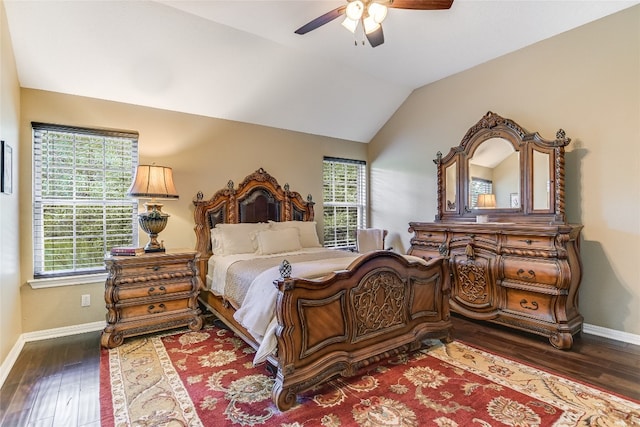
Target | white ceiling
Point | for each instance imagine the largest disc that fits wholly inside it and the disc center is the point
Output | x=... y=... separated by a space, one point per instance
x=240 y=60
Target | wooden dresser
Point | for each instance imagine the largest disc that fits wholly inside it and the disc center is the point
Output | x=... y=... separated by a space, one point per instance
x=523 y=276
x=514 y=259
x=150 y=292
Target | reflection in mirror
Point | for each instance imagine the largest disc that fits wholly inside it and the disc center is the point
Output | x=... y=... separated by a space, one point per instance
x=541 y=182
x=451 y=182
x=495 y=169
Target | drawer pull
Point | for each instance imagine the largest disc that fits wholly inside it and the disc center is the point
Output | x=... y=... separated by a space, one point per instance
x=526 y=275
x=153 y=310
x=154 y=268
x=524 y=302
x=527 y=241
x=160 y=291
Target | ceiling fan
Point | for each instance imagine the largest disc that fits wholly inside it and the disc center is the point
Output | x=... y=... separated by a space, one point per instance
x=371 y=13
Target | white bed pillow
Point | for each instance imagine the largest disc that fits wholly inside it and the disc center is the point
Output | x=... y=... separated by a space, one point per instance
x=277 y=241
x=307 y=230
x=216 y=242
x=237 y=238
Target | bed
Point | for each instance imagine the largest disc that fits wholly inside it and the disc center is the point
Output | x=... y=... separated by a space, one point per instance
x=314 y=313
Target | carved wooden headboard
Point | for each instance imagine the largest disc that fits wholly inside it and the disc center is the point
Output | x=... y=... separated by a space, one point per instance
x=258 y=198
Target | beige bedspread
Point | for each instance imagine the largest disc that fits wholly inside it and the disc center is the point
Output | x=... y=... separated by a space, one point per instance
x=230 y=276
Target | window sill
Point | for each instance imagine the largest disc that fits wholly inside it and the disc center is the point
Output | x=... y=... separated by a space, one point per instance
x=57 y=282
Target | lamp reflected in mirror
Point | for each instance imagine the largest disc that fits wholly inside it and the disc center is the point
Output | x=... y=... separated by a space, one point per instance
x=153 y=182
x=486 y=201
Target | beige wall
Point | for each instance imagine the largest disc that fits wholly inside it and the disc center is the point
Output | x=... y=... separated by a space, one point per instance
x=204 y=153
x=10 y=327
x=586 y=81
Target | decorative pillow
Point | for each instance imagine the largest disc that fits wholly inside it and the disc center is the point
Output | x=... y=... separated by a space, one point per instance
x=277 y=241
x=236 y=238
x=307 y=230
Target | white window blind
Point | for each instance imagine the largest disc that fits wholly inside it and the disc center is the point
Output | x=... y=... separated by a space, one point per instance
x=81 y=208
x=345 y=201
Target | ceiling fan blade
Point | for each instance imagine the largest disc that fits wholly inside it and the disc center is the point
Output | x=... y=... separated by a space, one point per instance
x=376 y=38
x=321 y=20
x=420 y=4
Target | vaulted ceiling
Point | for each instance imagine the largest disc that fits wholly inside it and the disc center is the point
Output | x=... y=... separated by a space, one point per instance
x=240 y=60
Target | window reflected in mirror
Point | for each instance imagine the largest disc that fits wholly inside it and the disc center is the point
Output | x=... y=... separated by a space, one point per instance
x=494 y=169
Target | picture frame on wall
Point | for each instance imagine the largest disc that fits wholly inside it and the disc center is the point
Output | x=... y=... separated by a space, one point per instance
x=515 y=200
x=6 y=168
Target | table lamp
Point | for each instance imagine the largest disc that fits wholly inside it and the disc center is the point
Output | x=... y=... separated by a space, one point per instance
x=153 y=182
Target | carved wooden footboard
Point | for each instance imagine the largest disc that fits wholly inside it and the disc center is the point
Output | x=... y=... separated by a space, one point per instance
x=381 y=305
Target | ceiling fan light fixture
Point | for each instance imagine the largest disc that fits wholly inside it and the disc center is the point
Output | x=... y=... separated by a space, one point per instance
x=370 y=25
x=354 y=10
x=350 y=24
x=377 y=11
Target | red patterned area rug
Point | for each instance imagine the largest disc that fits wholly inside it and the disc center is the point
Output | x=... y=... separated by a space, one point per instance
x=207 y=378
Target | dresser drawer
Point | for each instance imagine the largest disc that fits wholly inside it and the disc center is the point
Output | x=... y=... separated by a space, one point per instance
x=531 y=270
x=430 y=236
x=425 y=254
x=529 y=241
x=529 y=304
x=152 y=290
x=153 y=308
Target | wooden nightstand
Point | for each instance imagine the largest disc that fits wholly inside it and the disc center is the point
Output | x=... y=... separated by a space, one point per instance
x=149 y=293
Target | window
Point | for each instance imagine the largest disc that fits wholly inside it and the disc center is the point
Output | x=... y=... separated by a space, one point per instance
x=345 y=201
x=81 y=208
x=479 y=186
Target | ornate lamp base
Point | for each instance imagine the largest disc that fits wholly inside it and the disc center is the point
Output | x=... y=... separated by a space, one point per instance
x=153 y=221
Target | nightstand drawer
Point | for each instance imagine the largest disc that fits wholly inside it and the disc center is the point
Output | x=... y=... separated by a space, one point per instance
x=154 y=308
x=153 y=271
x=152 y=290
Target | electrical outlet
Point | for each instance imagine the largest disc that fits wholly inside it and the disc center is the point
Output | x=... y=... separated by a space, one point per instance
x=86 y=300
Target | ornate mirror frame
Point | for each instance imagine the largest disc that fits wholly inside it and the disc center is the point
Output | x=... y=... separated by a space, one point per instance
x=534 y=152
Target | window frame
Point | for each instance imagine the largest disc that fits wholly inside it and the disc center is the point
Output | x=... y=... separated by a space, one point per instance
x=360 y=205
x=114 y=205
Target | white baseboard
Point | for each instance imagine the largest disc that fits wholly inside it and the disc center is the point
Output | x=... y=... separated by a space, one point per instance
x=64 y=331
x=11 y=358
x=8 y=363
x=611 y=334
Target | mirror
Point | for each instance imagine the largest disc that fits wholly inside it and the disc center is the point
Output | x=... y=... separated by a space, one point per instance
x=541 y=183
x=494 y=169
x=501 y=171
x=450 y=187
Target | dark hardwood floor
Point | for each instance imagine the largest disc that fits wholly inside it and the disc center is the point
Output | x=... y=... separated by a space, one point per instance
x=55 y=382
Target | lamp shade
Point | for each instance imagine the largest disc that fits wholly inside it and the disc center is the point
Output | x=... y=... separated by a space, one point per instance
x=154 y=182
x=486 y=201
x=350 y=24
